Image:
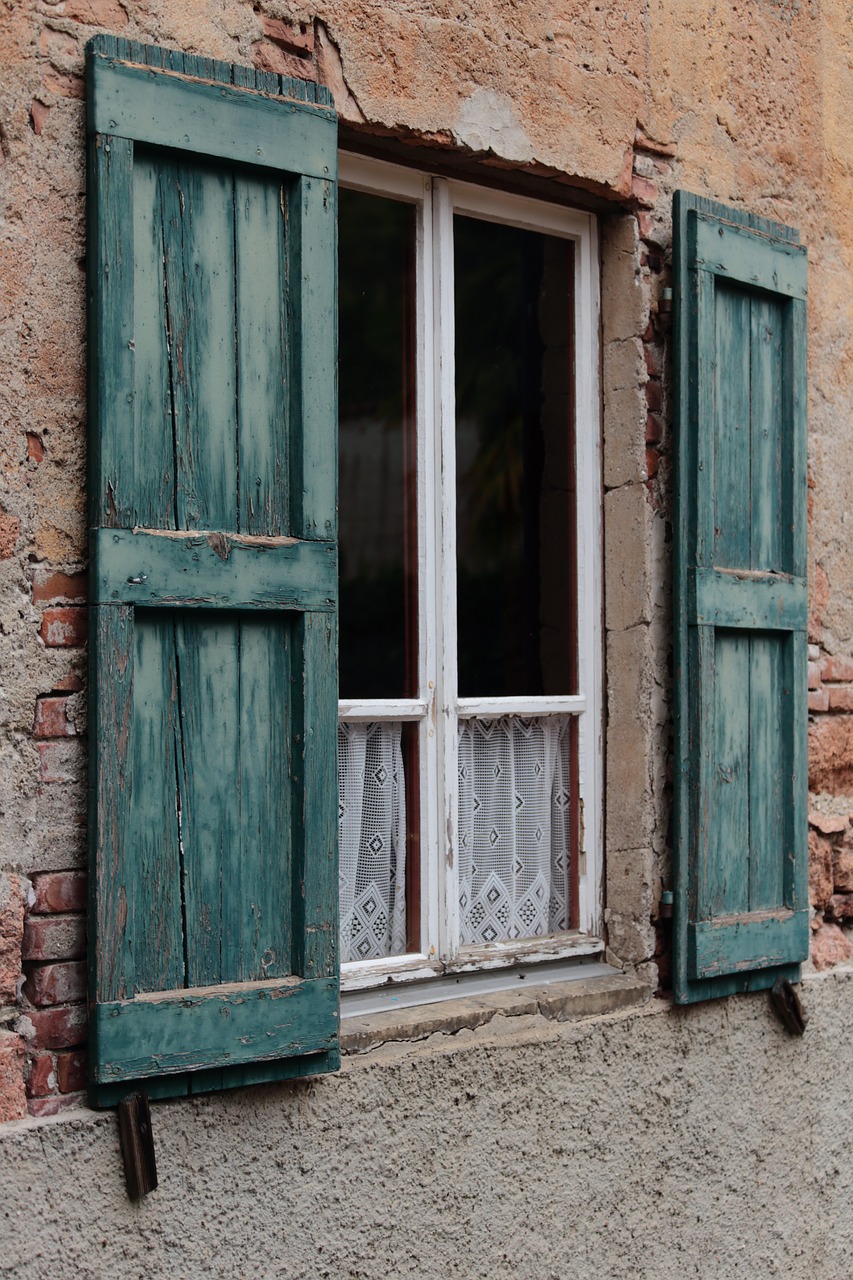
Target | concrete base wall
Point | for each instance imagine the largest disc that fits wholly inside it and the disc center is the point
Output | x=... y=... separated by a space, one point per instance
x=652 y=1143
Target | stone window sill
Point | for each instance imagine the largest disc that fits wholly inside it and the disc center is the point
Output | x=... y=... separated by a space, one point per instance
x=565 y=1001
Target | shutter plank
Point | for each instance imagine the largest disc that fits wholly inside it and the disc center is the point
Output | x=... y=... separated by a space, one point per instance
x=111 y=656
x=199 y=219
x=726 y=870
x=111 y=378
x=208 y=668
x=315 y=775
x=262 y=353
x=771 y=835
x=154 y=941
x=257 y=941
x=732 y=453
x=154 y=455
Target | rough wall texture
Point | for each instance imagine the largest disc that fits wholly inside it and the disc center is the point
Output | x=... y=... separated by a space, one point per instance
x=661 y=1143
x=749 y=103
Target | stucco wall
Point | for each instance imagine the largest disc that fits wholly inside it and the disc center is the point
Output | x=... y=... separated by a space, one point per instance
x=704 y=1142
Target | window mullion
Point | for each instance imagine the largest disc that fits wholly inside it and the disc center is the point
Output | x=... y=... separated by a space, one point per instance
x=445 y=546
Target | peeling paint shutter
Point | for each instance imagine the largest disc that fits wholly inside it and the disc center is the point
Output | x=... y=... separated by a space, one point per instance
x=741 y=917
x=213 y=938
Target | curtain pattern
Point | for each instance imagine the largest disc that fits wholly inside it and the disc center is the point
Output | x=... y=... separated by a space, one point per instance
x=372 y=831
x=514 y=798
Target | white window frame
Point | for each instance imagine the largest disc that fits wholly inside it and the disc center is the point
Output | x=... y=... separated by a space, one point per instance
x=438 y=708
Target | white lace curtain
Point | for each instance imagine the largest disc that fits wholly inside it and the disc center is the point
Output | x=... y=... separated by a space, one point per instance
x=513 y=828
x=372 y=830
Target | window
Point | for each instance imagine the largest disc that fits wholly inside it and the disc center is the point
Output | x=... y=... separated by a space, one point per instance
x=469 y=586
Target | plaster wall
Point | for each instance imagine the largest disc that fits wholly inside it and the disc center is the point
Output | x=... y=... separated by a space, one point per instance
x=703 y=1142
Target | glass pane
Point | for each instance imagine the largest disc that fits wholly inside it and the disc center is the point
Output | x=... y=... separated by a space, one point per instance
x=377 y=455
x=514 y=827
x=514 y=517
x=372 y=838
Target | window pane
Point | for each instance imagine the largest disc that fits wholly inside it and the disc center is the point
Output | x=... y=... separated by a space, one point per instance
x=377 y=457
x=372 y=837
x=514 y=518
x=514 y=827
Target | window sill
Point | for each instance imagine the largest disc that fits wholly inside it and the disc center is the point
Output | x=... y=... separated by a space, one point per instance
x=566 y=1000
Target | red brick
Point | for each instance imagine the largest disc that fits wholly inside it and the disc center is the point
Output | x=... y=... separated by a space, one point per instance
x=59 y=891
x=653 y=357
x=654 y=396
x=837 y=669
x=54 y=938
x=11 y=935
x=53 y=1106
x=652 y=462
x=53 y=984
x=842 y=866
x=814 y=675
x=654 y=429
x=41 y=1080
x=71 y=1071
x=58 y=1028
x=644 y=190
x=830 y=946
x=71 y=683
x=840 y=907
x=13 y=1098
x=51 y=720
x=10 y=527
x=96 y=13
x=64 y=627
x=841 y=699
x=59 y=586
x=831 y=755
x=38 y=118
x=269 y=57
x=820 y=870
x=297 y=38
x=66 y=86
x=819 y=700
x=35 y=448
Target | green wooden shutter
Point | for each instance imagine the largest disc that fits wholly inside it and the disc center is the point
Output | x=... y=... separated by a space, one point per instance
x=741 y=904
x=213 y=814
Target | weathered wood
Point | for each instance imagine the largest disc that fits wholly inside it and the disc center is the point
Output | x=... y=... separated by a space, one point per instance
x=753 y=940
x=262 y=354
x=312 y=274
x=111 y=655
x=208 y=569
x=214 y=675
x=740 y=602
x=204 y=1028
x=722 y=598
x=162 y=109
x=111 y=356
x=740 y=253
x=315 y=777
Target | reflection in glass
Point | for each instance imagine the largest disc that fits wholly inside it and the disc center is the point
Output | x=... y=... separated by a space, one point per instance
x=514 y=514
x=377 y=455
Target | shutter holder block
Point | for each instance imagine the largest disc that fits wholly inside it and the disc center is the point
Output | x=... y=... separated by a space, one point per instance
x=137 y=1145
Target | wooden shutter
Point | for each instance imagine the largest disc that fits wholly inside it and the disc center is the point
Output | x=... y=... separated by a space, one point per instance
x=741 y=915
x=211 y=265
